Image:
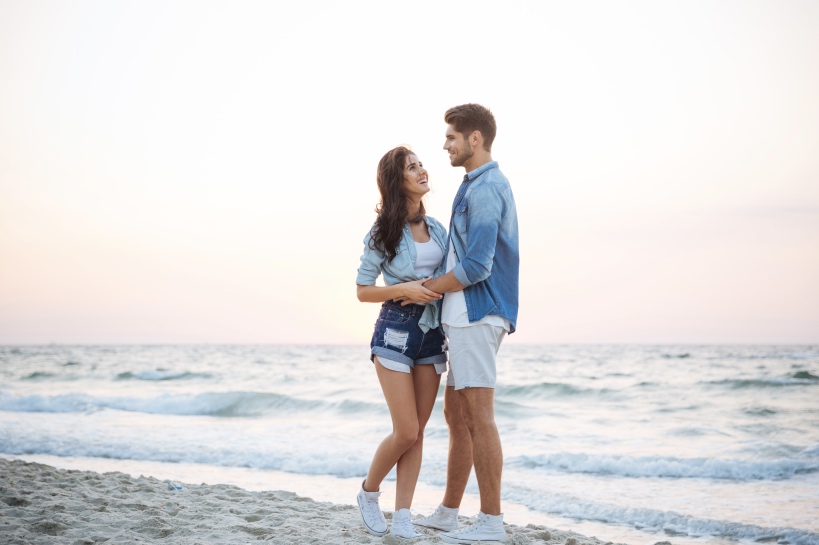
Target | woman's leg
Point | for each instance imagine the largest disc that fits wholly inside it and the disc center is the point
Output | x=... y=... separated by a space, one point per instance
x=399 y=391
x=426 y=382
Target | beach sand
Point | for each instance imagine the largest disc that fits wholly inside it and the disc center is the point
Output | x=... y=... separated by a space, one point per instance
x=43 y=505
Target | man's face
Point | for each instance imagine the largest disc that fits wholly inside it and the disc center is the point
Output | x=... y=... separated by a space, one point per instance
x=458 y=147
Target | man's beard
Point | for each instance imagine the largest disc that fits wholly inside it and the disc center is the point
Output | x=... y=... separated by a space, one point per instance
x=460 y=159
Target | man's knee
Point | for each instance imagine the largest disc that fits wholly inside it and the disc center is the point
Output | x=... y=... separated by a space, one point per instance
x=452 y=408
x=477 y=408
x=454 y=418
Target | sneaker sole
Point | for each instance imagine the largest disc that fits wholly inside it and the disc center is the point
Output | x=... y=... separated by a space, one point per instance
x=370 y=530
x=408 y=537
x=464 y=541
x=449 y=529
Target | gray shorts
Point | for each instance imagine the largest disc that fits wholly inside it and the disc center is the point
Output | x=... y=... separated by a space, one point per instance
x=472 y=354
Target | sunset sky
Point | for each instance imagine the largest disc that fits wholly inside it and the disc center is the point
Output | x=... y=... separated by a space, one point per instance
x=205 y=171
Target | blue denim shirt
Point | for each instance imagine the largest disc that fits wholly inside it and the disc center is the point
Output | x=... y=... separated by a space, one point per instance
x=484 y=233
x=402 y=267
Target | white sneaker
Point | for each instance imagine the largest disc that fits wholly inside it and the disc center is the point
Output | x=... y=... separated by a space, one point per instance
x=402 y=525
x=371 y=513
x=443 y=518
x=487 y=529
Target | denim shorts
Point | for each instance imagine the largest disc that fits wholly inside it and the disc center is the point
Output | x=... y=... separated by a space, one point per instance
x=398 y=337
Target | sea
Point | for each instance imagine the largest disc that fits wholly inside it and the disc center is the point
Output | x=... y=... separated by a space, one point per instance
x=631 y=444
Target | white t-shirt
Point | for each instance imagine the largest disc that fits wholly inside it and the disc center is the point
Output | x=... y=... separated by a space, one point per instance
x=454 y=313
x=427 y=257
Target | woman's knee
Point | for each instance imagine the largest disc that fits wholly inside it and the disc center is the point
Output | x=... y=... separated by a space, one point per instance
x=408 y=435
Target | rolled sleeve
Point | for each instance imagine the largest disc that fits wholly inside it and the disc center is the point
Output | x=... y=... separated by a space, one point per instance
x=484 y=219
x=371 y=262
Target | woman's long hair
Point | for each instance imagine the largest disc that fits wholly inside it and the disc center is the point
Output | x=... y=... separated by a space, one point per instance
x=392 y=210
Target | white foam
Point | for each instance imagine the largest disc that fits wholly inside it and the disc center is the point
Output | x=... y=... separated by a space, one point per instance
x=668 y=522
x=654 y=466
x=233 y=404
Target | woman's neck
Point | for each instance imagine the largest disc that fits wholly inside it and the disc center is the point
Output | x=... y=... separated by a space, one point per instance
x=414 y=214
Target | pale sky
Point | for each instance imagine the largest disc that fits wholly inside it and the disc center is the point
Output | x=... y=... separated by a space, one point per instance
x=205 y=171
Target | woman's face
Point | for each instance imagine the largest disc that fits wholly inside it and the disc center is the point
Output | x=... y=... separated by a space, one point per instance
x=416 y=180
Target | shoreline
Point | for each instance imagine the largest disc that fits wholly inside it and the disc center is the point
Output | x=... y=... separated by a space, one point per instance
x=41 y=505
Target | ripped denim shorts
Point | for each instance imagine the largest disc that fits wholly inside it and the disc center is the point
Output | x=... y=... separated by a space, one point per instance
x=397 y=336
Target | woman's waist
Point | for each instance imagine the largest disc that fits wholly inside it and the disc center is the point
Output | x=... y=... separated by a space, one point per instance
x=415 y=309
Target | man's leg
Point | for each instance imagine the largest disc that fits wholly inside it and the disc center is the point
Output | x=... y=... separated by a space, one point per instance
x=478 y=412
x=459 y=460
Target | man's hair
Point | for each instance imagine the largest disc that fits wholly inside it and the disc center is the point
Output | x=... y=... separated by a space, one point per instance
x=473 y=117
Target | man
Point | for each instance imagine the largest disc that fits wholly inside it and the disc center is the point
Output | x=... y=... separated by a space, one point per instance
x=480 y=307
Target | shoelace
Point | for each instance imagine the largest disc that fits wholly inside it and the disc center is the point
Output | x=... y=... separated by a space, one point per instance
x=405 y=527
x=438 y=514
x=372 y=507
x=474 y=527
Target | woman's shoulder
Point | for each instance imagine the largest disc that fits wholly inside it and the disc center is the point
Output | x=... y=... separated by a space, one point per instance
x=370 y=245
x=435 y=223
x=371 y=232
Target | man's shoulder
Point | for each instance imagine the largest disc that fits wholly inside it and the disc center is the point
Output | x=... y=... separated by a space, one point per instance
x=491 y=182
x=491 y=174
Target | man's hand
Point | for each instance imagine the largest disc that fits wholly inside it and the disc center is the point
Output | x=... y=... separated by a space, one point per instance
x=415 y=292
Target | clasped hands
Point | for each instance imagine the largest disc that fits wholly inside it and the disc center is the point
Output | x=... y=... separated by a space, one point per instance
x=415 y=292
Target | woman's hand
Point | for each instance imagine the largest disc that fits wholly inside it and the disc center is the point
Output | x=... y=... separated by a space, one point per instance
x=415 y=292
x=405 y=293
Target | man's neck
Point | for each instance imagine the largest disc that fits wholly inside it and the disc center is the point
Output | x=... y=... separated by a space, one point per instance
x=477 y=160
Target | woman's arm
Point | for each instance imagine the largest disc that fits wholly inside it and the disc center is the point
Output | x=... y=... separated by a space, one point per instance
x=412 y=291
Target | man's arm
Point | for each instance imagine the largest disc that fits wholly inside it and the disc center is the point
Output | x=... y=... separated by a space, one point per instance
x=444 y=283
x=414 y=291
x=441 y=284
x=484 y=217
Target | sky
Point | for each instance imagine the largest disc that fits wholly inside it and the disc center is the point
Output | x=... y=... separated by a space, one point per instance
x=204 y=172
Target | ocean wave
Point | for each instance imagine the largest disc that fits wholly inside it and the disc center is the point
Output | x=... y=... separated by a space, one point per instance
x=161 y=374
x=335 y=463
x=39 y=375
x=538 y=391
x=812 y=451
x=667 y=467
x=802 y=378
x=222 y=404
x=770 y=356
x=652 y=519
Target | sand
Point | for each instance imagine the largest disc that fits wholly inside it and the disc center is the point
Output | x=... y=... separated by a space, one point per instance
x=43 y=505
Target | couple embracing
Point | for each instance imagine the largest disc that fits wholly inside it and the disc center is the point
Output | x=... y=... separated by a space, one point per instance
x=455 y=294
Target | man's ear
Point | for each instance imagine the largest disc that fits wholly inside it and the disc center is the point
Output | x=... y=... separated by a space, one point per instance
x=475 y=138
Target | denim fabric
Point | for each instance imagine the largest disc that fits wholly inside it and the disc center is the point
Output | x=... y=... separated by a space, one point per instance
x=398 y=337
x=484 y=234
x=402 y=267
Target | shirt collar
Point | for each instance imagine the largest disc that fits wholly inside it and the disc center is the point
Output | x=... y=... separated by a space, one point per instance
x=469 y=176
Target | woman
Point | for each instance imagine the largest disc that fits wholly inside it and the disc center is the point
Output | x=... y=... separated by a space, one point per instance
x=408 y=347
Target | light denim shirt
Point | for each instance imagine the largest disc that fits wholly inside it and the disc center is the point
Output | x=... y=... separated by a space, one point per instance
x=402 y=267
x=484 y=234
